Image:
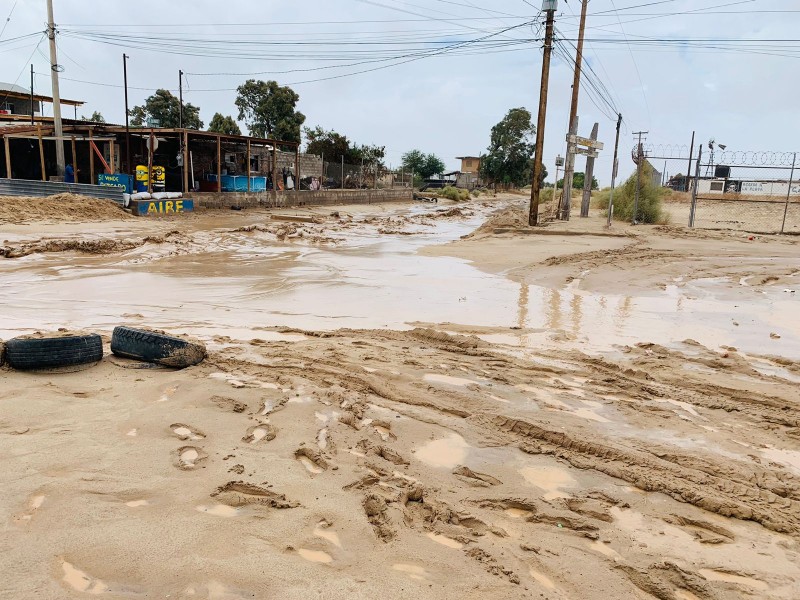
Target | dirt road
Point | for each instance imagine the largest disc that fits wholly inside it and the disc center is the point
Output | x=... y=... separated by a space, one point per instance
x=389 y=410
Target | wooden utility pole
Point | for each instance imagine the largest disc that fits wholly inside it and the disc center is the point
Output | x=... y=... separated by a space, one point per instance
x=614 y=169
x=54 y=69
x=91 y=155
x=569 y=169
x=536 y=183
x=41 y=153
x=127 y=119
x=32 y=120
x=8 y=156
x=588 y=177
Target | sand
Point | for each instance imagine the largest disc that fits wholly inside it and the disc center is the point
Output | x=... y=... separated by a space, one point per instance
x=386 y=415
x=58 y=209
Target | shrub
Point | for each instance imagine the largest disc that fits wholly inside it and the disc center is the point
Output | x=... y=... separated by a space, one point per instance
x=650 y=199
x=452 y=193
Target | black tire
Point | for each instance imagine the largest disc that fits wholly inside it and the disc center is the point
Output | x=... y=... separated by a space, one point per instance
x=26 y=353
x=149 y=346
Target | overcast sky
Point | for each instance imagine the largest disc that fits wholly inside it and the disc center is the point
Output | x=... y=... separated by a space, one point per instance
x=746 y=97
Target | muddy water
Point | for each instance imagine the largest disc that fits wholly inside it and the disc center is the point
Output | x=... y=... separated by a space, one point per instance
x=232 y=283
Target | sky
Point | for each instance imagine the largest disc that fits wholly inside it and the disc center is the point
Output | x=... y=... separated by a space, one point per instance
x=726 y=69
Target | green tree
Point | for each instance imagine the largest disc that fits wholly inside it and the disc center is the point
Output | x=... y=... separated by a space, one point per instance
x=166 y=107
x=371 y=155
x=97 y=117
x=578 y=180
x=269 y=110
x=511 y=148
x=424 y=165
x=226 y=125
x=332 y=145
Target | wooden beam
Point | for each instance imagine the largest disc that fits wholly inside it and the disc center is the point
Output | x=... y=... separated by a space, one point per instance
x=111 y=152
x=186 y=165
x=41 y=154
x=8 y=157
x=275 y=170
x=91 y=157
x=248 y=166
x=219 y=164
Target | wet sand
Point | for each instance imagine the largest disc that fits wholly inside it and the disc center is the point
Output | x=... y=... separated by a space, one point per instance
x=389 y=410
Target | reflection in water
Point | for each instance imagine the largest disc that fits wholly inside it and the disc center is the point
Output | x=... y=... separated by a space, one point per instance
x=524 y=293
x=553 y=308
x=577 y=315
x=623 y=314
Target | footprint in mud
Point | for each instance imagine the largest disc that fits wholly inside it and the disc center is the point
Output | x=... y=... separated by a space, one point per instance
x=229 y=404
x=323 y=530
x=218 y=510
x=186 y=432
x=34 y=504
x=377 y=514
x=189 y=457
x=474 y=478
x=80 y=581
x=239 y=493
x=312 y=460
x=384 y=429
x=167 y=393
x=263 y=432
x=315 y=556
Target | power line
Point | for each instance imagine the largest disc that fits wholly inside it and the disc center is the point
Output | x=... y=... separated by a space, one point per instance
x=8 y=19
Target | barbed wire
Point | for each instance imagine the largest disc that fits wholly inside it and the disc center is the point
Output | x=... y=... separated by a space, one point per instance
x=732 y=158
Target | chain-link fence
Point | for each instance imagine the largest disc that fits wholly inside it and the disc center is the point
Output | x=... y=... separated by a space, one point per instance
x=338 y=175
x=757 y=192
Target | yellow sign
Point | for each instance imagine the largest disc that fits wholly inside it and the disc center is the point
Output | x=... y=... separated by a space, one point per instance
x=167 y=207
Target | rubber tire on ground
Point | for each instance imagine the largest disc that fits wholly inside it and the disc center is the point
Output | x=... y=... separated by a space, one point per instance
x=27 y=353
x=149 y=346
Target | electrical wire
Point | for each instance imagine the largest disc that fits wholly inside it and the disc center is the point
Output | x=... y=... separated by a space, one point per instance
x=8 y=19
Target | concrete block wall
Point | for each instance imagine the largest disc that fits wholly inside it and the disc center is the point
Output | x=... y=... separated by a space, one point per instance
x=305 y=198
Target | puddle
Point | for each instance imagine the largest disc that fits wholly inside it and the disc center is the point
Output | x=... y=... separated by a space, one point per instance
x=542 y=579
x=81 y=582
x=189 y=456
x=323 y=531
x=517 y=513
x=137 y=503
x=448 y=380
x=724 y=577
x=550 y=479
x=383 y=432
x=445 y=541
x=445 y=453
x=413 y=571
x=219 y=510
x=315 y=556
x=684 y=405
x=787 y=458
x=310 y=466
x=604 y=549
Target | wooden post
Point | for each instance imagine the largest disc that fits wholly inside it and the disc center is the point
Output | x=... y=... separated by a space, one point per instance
x=297 y=168
x=248 y=166
x=219 y=164
x=91 y=157
x=275 y=170
x=41 y=152
x=588 y=177
x=150 y=164
x=111 y=151
x=186 y=165
x=8 y=157
x=74 y=160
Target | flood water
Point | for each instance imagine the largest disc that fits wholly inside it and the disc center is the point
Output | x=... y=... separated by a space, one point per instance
x=235 y=283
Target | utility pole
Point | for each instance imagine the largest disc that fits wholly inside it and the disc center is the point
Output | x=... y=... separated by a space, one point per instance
x=54 y=69
x=589 y=176
x=639 y=163
x=125 y=58
x=536 y=183
x=614 y=169
x=689 y=170
x=31 y=94
x=180 y=99
x=180 y=126
x=569 y=170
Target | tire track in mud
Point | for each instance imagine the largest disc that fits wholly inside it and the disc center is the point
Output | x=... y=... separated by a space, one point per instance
x=727 y=497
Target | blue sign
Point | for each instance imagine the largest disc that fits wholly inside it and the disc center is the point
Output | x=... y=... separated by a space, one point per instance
x=116 y=180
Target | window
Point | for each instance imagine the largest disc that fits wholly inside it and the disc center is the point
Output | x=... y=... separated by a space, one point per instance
x=7 y=108
x=255 y=164
x=717 y=186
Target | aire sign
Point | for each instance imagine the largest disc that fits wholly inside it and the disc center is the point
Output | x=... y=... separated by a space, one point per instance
x=155 y=208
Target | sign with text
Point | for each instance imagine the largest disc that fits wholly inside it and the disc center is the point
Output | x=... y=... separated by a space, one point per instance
x=119 y=180
x=156 y=208
x=582 y=141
